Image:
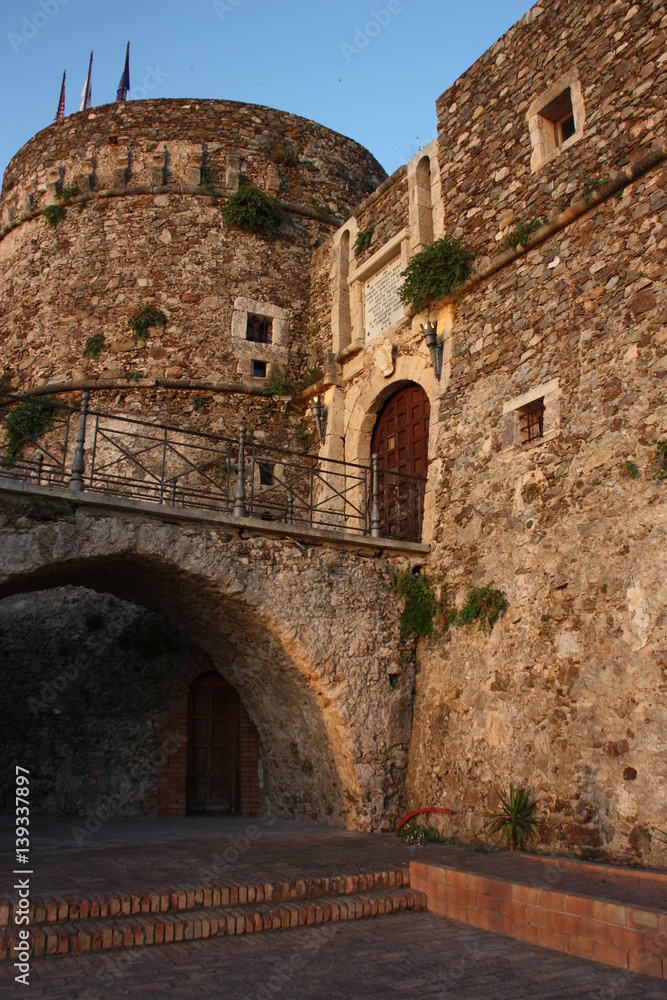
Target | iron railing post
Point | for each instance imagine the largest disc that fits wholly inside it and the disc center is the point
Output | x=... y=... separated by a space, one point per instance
x=76 y=479
x=376 y=520
x=290 y=509
x=239 y=508
x=40 y=462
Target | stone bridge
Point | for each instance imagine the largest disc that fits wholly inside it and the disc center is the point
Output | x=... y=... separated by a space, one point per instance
x=300 y=622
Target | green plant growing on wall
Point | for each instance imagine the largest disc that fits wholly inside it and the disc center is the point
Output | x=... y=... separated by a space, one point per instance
x=631 y=469
x=661 y=458
x=67 y=193
x=53 y=214
x=287 y=155
x=277 y=386
x=318 y=206
x=441 y=269
x=198 y=401
x=522 y=233
x=422 y=611
x=590 y=184
x=363 y=240
x=254 y=211
x=149 y=316
x=26 y=421
x=94 y=346
x=483 y=604
x=515 y=821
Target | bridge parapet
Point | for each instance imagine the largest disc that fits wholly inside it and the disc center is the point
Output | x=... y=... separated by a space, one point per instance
x=113 y=455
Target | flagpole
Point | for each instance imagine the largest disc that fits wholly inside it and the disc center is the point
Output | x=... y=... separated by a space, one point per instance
x=60 y=113
x=124 y=85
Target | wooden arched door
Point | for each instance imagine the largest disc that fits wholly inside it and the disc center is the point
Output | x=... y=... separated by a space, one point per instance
x=212 y=728
x=400 y=439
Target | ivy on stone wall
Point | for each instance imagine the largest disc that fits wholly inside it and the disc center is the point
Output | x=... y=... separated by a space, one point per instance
x=363 y=240
x=94 y=346
x=425 y=615
x=26 y=421
x=441 y=269
x=254 y=211
x=53 y=214
x=149 y=316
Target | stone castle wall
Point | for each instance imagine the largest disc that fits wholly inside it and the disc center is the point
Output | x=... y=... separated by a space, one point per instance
x=566 y=694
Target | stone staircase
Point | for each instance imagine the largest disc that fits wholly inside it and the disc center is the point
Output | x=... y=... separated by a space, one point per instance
x=62 y=926
x=616 y=916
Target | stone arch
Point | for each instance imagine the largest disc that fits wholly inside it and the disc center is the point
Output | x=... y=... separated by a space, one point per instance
x=170 y=797
x=306 y=746
x=364 y=402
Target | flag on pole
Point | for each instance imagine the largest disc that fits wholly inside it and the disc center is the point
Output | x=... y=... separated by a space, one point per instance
x=87 y=92
x=124 y=84
x=60 y=113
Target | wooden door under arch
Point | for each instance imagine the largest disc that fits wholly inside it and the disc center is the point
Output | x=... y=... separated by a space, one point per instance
x=400 y=439
x=212 y=738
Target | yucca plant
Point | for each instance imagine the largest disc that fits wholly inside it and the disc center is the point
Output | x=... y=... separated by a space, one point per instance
x=515 y=821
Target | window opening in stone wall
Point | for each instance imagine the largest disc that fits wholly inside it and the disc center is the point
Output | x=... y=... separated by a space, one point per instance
x=259 y=369
x=531 y=421
x=266 y=474
x=558 y=122
x=259 y=329
x=424 y=203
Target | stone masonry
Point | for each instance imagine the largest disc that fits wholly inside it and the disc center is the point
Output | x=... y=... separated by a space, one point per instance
x=566 y=310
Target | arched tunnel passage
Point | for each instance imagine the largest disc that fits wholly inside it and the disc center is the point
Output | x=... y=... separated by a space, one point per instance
x=298 y=770
x=309 y=638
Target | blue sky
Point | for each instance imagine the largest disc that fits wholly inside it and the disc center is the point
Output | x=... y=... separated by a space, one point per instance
x=369 y=70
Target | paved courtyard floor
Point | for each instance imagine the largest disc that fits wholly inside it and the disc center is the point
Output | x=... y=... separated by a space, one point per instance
x=412 y=954
x=407 y=954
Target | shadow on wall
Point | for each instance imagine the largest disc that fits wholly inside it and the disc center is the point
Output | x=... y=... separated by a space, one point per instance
x=88 y=675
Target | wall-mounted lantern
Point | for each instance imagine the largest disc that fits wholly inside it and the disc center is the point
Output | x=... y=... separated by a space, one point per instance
x=430 y=332
x=319 y=412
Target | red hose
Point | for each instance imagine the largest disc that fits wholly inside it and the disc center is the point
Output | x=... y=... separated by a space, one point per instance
x=419 y=812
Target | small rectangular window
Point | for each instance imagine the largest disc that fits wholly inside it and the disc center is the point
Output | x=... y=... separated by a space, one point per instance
x=265 y=474
x=531 y=421
x=259 y=369
x=558 y=120
x=259 y=329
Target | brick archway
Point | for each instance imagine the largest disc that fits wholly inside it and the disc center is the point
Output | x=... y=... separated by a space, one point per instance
x=171 y=791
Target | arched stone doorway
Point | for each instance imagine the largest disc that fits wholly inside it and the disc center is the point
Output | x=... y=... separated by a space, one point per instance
x=400 y=439
x=213 y=707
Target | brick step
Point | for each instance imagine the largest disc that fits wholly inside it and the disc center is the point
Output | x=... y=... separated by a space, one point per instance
x=191 y=925
x=611 y=923
x=54 y=910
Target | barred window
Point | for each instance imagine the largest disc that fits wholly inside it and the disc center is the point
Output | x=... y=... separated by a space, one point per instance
x=531 y=421
x=259 y=329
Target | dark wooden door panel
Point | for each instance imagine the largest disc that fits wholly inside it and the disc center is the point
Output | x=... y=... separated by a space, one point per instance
x=212 y=714
x=400 y=439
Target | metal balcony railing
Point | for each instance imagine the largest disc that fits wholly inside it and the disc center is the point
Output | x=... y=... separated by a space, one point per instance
x=123 y=456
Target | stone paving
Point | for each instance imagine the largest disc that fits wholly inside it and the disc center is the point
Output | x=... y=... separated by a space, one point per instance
x=402 y=954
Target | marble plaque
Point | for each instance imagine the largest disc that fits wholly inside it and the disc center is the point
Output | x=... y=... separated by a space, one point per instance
x=382 y=306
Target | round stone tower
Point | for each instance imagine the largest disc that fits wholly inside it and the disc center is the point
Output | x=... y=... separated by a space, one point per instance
x=118 y=209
